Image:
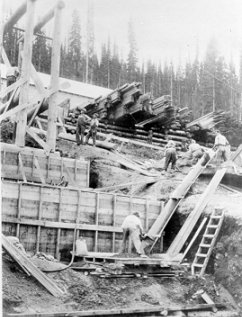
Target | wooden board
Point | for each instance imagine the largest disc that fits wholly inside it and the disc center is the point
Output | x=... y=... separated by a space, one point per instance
x=76 y=172
x=22 y=259
x=81 y=209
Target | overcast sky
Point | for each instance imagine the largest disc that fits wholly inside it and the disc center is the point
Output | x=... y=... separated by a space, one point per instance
x=165 y=30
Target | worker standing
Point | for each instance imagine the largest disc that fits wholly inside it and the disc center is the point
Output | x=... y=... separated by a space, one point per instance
x=195 y=151
x=170 y=155
x=222 y=146
x=81 y=126
x=133 y=229
x=93 y=130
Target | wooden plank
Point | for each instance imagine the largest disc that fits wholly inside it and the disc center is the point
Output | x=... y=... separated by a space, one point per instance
x=5 y=57
x=21 y=258
x=54 y=80
x=70 y=179
x=119 y=186
x=199 y=229
x=96 y=222
x=36 y=163
x=114 y=221
x=43 y=144
x=25 y=73
x=21 y=167
x=146 y=214
x=15 y=110
x=193 y=217
x=62 y=225
x=12 y=87
x=39 y=218
x=7 y=104
x=75 y=169
x=19 y=209
x=59 y=229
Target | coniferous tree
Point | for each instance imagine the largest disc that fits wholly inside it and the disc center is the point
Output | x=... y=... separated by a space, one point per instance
x=132 y=55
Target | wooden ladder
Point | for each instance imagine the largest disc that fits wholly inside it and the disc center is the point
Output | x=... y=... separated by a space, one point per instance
x=208 y=241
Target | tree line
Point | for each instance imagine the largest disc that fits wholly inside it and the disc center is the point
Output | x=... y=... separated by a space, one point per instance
x=202 y=86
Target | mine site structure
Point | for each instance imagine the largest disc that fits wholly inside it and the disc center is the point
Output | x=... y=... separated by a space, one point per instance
x=20 y=104
x=46 y=199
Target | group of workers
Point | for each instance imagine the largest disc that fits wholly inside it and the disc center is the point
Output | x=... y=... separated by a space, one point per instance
x=83 y=122
x=195 y=151
x=132 y=226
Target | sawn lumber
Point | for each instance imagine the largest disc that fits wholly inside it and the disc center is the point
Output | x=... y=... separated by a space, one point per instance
x=22 y=259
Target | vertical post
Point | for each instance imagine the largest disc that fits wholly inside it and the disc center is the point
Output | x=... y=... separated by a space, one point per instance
x=39 y=218
x=59 y=230
x=171 y=86
x=96 y=222
x=54 y=82
x=19 y=209
x=25 y=74
x=114 y=219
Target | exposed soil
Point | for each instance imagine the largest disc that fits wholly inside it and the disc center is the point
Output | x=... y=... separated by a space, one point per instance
x=23 y=294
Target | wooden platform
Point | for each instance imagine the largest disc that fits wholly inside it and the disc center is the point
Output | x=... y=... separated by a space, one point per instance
x=45 y=217
x=161 y=260
x=33 y=165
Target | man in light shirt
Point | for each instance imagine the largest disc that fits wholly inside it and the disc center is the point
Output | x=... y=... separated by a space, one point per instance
x=221 y=145
x=133 y=229
x=195 y=151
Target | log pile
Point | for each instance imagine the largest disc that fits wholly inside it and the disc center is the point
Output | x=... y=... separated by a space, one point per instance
x=202 y=128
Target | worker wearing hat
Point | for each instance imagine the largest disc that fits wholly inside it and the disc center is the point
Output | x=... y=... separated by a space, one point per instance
x=93 y=129
x=133 y=229
x=81 y=126
x=195 y=151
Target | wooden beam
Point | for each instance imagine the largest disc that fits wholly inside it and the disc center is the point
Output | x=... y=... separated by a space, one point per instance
x=70 y=179
x=25 y=73
x=62 y=225
x=19 y=209
x=39 y=218
x=114 y=220
x=55 y=69
x=57 y=255
x=119 y=186
x=21 y=167
x=199 y=229
x=15 y=110
x=21 y=258
x=37 y=166
x=5 y=58
x=12 y=87
x=38 y=139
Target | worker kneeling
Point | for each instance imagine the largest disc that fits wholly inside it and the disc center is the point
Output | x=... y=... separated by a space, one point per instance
x=133 y=230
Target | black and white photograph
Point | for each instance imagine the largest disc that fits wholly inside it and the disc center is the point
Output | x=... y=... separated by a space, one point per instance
x=121 y=158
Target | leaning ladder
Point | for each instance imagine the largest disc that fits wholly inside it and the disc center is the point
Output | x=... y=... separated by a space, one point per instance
x=208 y=241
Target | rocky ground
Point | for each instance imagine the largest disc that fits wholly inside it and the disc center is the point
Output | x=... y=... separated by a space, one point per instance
x=23 y=294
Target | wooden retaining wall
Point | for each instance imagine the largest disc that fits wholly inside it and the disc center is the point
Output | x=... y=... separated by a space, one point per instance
x=44 y=217
x=33 y=165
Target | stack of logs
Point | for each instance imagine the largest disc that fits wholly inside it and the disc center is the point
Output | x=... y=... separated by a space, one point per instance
x=128 y=107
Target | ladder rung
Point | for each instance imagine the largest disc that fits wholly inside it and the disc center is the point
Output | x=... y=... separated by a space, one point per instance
x=208 y=236
x=201 y=255
x=216 y=217
x=204 y=245
x=212 y=226
x=197 y=265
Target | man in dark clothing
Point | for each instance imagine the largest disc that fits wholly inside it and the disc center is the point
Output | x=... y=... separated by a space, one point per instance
x=170 y=155
x=81 y=126
x=93 y=130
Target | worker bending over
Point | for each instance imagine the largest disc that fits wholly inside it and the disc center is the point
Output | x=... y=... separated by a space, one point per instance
x=132 y=229
x=170 y=155
x=221 y=145
x=93 y=130
x=195 y=151
x=82 y=123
